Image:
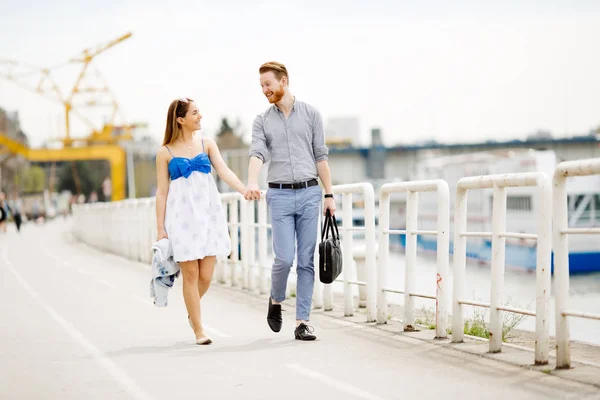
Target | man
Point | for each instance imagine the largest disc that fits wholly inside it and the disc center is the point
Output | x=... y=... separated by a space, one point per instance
x=289 y=134
x=17 y=209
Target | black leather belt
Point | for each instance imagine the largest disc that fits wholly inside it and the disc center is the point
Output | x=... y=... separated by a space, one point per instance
x=297 y=185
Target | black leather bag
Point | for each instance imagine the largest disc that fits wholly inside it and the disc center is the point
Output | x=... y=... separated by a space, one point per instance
x=330 y=251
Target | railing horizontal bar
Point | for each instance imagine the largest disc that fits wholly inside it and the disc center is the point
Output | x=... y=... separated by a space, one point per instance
x=500 y=180
x=355 y=229
x=405 y=232
x=359 y=283
x=474 y=303
x=258 y=266
x=518 y=235
x=414 y=186
x=517 y=310
x=476 y=234
x=425 y=296
x=259 y=225
x=569 y=313
x=393 y=290
x=581 y=231
x=431 y=233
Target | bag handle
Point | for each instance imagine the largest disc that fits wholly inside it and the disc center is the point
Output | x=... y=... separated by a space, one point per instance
x=329 y=225
x=332 y=218
x=324 y=229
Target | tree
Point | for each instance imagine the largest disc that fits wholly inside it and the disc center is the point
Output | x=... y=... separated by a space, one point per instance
x=90 y=175
x=230 y=137
x=31 y=180
x=225 y=127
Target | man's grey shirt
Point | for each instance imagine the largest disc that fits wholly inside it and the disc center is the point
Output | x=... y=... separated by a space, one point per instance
x=293 y=146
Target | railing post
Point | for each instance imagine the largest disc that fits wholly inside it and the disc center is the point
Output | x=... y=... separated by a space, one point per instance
x=153 y=232
x=359 y=258
x=245 y=229
x=443 y=239
x=251 y=245
x=384 y=252
x=497 y=267
x=262 y=246
x=543 y=264
x=370 y=252
x=319 y=287
x=561 y=270
x=327 y=297
x=347 y=245
x=236 y=233
x=223 y=263
x=460 y=260
x=412 y=203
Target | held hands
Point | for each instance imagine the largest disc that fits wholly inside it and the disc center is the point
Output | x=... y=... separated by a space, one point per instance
x=252 y=192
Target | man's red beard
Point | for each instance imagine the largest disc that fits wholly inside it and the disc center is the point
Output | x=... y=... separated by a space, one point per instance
x=276 y=96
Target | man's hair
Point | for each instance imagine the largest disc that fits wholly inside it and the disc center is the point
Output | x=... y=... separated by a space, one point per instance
x=277 y=68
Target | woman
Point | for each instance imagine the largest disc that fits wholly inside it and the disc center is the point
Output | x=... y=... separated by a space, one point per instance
x=188 y=204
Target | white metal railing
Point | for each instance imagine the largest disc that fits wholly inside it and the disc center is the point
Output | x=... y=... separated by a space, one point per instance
x=443 y=226
x=543 y=225
x=126 y=228
x=256 y=224
x=347 y=229
x=231 y=202
x=561 y=253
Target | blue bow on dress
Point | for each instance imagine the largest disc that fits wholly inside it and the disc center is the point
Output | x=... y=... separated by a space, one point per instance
x=182 y=166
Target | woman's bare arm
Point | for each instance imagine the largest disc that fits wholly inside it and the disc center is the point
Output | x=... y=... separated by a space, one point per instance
x=162 y=189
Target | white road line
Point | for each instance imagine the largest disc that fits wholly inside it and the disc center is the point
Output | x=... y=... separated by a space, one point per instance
x=341 y=386
x=110 y=366
x=107 y=283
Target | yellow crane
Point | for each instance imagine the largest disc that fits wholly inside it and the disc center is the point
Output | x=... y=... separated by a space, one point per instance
x=100 y=143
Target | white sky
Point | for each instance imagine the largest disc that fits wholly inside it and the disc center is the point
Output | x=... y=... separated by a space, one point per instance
x=451 y=71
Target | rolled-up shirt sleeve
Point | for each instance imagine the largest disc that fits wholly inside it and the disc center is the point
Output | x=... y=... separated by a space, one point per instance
x=320 y=150
x=259 y=148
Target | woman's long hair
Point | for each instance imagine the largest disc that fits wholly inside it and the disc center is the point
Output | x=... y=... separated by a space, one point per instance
x=177 y=108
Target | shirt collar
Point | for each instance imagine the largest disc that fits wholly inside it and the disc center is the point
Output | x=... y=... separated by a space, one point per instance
x=276 y=107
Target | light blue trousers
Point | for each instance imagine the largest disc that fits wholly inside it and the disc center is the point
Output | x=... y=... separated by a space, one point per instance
x=294 y=219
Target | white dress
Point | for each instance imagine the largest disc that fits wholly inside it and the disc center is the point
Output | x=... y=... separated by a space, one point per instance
x=195 y=219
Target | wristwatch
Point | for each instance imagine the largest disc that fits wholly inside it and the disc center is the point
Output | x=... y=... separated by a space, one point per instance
x=328 y=195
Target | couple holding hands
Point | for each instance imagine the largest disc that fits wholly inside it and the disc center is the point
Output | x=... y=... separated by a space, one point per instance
x=289 y=135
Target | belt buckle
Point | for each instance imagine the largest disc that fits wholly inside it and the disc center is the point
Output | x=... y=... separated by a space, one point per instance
x=296 y=185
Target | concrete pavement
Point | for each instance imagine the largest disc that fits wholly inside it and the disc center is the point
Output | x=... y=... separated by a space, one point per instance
x=76 y=323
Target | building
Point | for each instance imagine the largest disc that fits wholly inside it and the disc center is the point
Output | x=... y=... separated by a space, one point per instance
x=342 y=131
x=361 y=164
x=9 y=163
